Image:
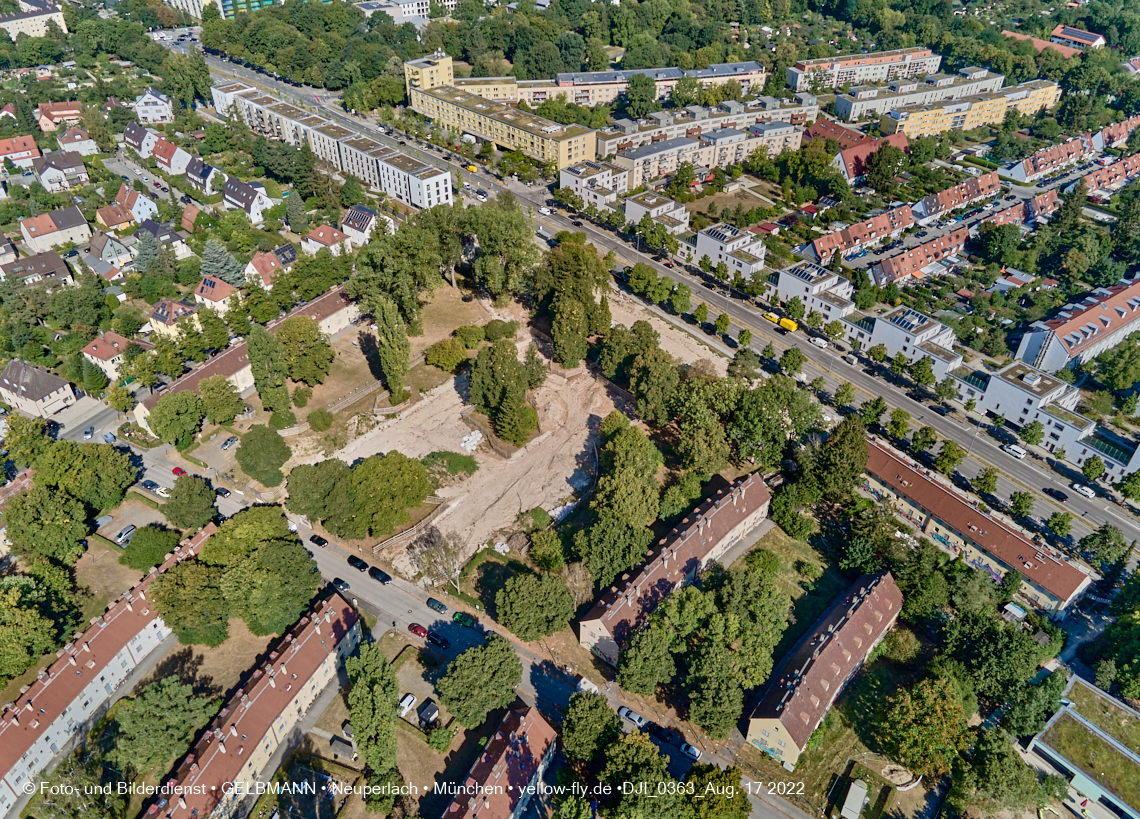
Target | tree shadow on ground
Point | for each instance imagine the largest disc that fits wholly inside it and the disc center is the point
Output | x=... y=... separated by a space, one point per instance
x=371 y=352
x=185 y=664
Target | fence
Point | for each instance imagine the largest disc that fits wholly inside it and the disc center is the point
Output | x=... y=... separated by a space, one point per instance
x=412 y=533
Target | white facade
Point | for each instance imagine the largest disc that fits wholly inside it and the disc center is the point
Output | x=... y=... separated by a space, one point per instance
x=820 y=290
x=153 y=107
x=741 y=251
x=908 y=332
x=600 y=184
x=415 y=183
x=660 y=209
x=872 y=101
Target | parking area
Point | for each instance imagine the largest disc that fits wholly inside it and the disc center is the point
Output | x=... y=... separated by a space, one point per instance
x=213 y=456
x=86 y=411
x=416 y=676
x=132 y=513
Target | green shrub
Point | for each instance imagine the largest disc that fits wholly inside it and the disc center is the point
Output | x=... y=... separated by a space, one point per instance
x=148 y=547
x=447 y=354
x=283 y=419
x=440 y=464
x=536 y=518
x=470 y=335
x=320 y=419
x=901 y=646
x=439 y=739
x=809 y=571
x=547 y=550
x=497 y=329
x=301 y=396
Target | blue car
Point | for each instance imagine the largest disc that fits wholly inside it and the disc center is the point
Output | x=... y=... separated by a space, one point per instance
x=109 y=437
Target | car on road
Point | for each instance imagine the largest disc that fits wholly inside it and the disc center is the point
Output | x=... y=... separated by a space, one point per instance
x=691 y=752
x=628 y=713
x=941 y=410
x=816 y=341
x=1055 y=494
x=146 y=179
x=221 y=492
x=576 y=222
x=109 y=437
x=1081 y=489
x=149 y=486
x=157 y=184
x=438 y=641
x=125 y=535
x=1015 y=451
x=317 y=540
x=380 y=576
x=464 y=619
x=664 y=734
x=124 y=177
x=341 y=585
x=178 y=471
x=471 y=169
x=356 y=563
x=544 y=211
x=435 y=605
x=229 y=442
x=418 y=630
x=922 y=234
x=88 y=432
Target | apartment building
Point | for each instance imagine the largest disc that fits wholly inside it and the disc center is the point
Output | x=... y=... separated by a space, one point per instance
x=921 y=261
x=267 y=115
x=50 y=230
x=227 y=8
x=36 y=392
x=844 y=137
x=1115 y=135
x=721 y=148
x=972 y=112
x=61 y=171
x=1026 y=211
x=907 y=332
x=69 y=696
x=856 y=69
x=416 y=12
x=741 y=251
x=1076 y=38
x=20 y=150
x=852 y=162
x=962 y=195
x=661 y=209
x=695 y=120
x=871 y=102
x=1084 y=329
x=953 y=520
x=262 y=715
x=702 y=536
x=414 y=182
x=820 y=290
x=498 y=123
x=807 y=683
x=871 y=231
x=600 y=184
x=33 y=19
x=1111 y=178
x=1050 y=160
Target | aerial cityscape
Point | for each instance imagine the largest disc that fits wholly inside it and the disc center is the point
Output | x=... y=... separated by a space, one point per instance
x=720 y=410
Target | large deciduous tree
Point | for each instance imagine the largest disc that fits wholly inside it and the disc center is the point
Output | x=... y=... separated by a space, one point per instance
x=156 y=725
x=267 y=362
x=191 y=503
x=924 y=727
x=480 y=680
x=305 y=350
x=534 y=606
x=372 y=701
x=261 y=454
x=177 y=417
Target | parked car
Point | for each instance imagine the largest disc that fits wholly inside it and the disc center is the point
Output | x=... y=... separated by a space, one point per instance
x=125 y=535
x=109 y=437
x=691 y=752
x=941 y=410
x=1055 y=494
x=464 y=619
x=317 y=540
x=229 y=442
x=88 y=432
x=341 y=585
x=664 y=734
x=438 y=641
x=178 y=471
x=162 y=491
x=1015 y=451
x=356 y=563
x=380 y=576
x=184 y=199
x=544 y=211
x=632 y=716
x=418 y=630
x=816 y=341
x=1081 y=489
x=407 y=703
x=221 y=492
x=435 y=605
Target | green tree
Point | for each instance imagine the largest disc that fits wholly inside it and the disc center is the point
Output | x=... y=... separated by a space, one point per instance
x=147 y=259
x=945 y=390
x=46 y=523
x=296 y=215
x=722 y=322
x=267 y=363
x=791 y=361
x=769 y=352
x=394 y=348
x=261 y=454
x=589 y=726
x=744 y=365
x=999 y=656
x=641 y=95
x=385 y=488
x=177 y=417
x=899 y=424
x=81 y=787
x=98 y=475
x=993 y=777
x=844 y=394
x=1129 y=486
x=924 y=727
x=922 y=371
x=120 y=398
x=653 y=380
x=1032 y=433
x=715 y=696
x=717 y=793
x=744 y=337
x=701 y=314
x=986 y=481
x=94 y=379
x=190 y=601
x=373 y=694
x=157 y=725
x=923 y=439
x=1060 y=523
x=883 y=166
x=26 y=632
x=220 y=399
x=480 y=680
x=795 y=309
x=950 y=455
x=26 y=439
x=218 y=263
x=1031 y=706
x=1093 y=468
x=878 y=353
x=322 y=490
x=305 y=350
x=1021 y=504
x=647 y=661
x=149 y=547
x=191 y=503
x=871 y=411
x=534 y=606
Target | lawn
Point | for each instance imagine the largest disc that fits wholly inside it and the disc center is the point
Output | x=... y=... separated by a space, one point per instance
x=486 y=573
x=1102 y=712
x=1101 y=762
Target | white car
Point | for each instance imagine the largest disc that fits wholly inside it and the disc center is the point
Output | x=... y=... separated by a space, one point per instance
x=819 y=342
x=407 y=703
x=544 y=211
x=1081 y=489
x=162 y=491
x=632 y=716
x=691 y=752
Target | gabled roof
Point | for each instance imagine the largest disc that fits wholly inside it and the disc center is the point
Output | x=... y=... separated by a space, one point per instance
x=189 y=217
x=326 y=235
x=214 y=289
x=48 y=264
x=860 y=233
x=18 y=145
x=1077 y=35
x=115 y=215
x=286 y=254
x=164 y=150
x=73 y=135
x=266 y=265
x=135 y=134
x=110 y=344
x=22 y=379
x=62 y=161
x=826 y=129
x=1068 y=52
x=961 y=194
x=1103 y=311
x=68 y=218
x=855 y=158
x=196 y=168
x=910 y=262
x=359 y=218
x=55 y=110
x=126 y=196
x=167 y=311
x=164 y=234
x=150 y=92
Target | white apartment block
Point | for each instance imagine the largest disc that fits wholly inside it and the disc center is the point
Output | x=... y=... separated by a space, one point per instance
x=695 y=120
x=716 y=149
x=66 y=699
x=600 y=184
x=908 y=332
x=871 y=102
x=592 y=88
x=1083 y=330
x=852 y=69
x=661 y=209
x=741 y=251
x=414 y=182
x=32 y=19
x=820 y=290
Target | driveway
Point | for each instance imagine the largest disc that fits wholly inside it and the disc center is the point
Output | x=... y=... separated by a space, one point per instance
x=123 y=166
x=133 y=512
x=86 y=411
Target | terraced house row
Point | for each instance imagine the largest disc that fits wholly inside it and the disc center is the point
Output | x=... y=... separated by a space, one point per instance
x=380 y=167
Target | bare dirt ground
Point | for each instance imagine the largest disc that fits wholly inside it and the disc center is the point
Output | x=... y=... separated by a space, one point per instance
x=679 y=344
x=213 y=671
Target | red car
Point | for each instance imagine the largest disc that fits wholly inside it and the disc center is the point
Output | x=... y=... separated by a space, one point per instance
x=178 y=471
x=418 y=630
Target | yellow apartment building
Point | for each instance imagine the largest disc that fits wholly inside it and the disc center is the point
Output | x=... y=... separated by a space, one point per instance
x=972 y=112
